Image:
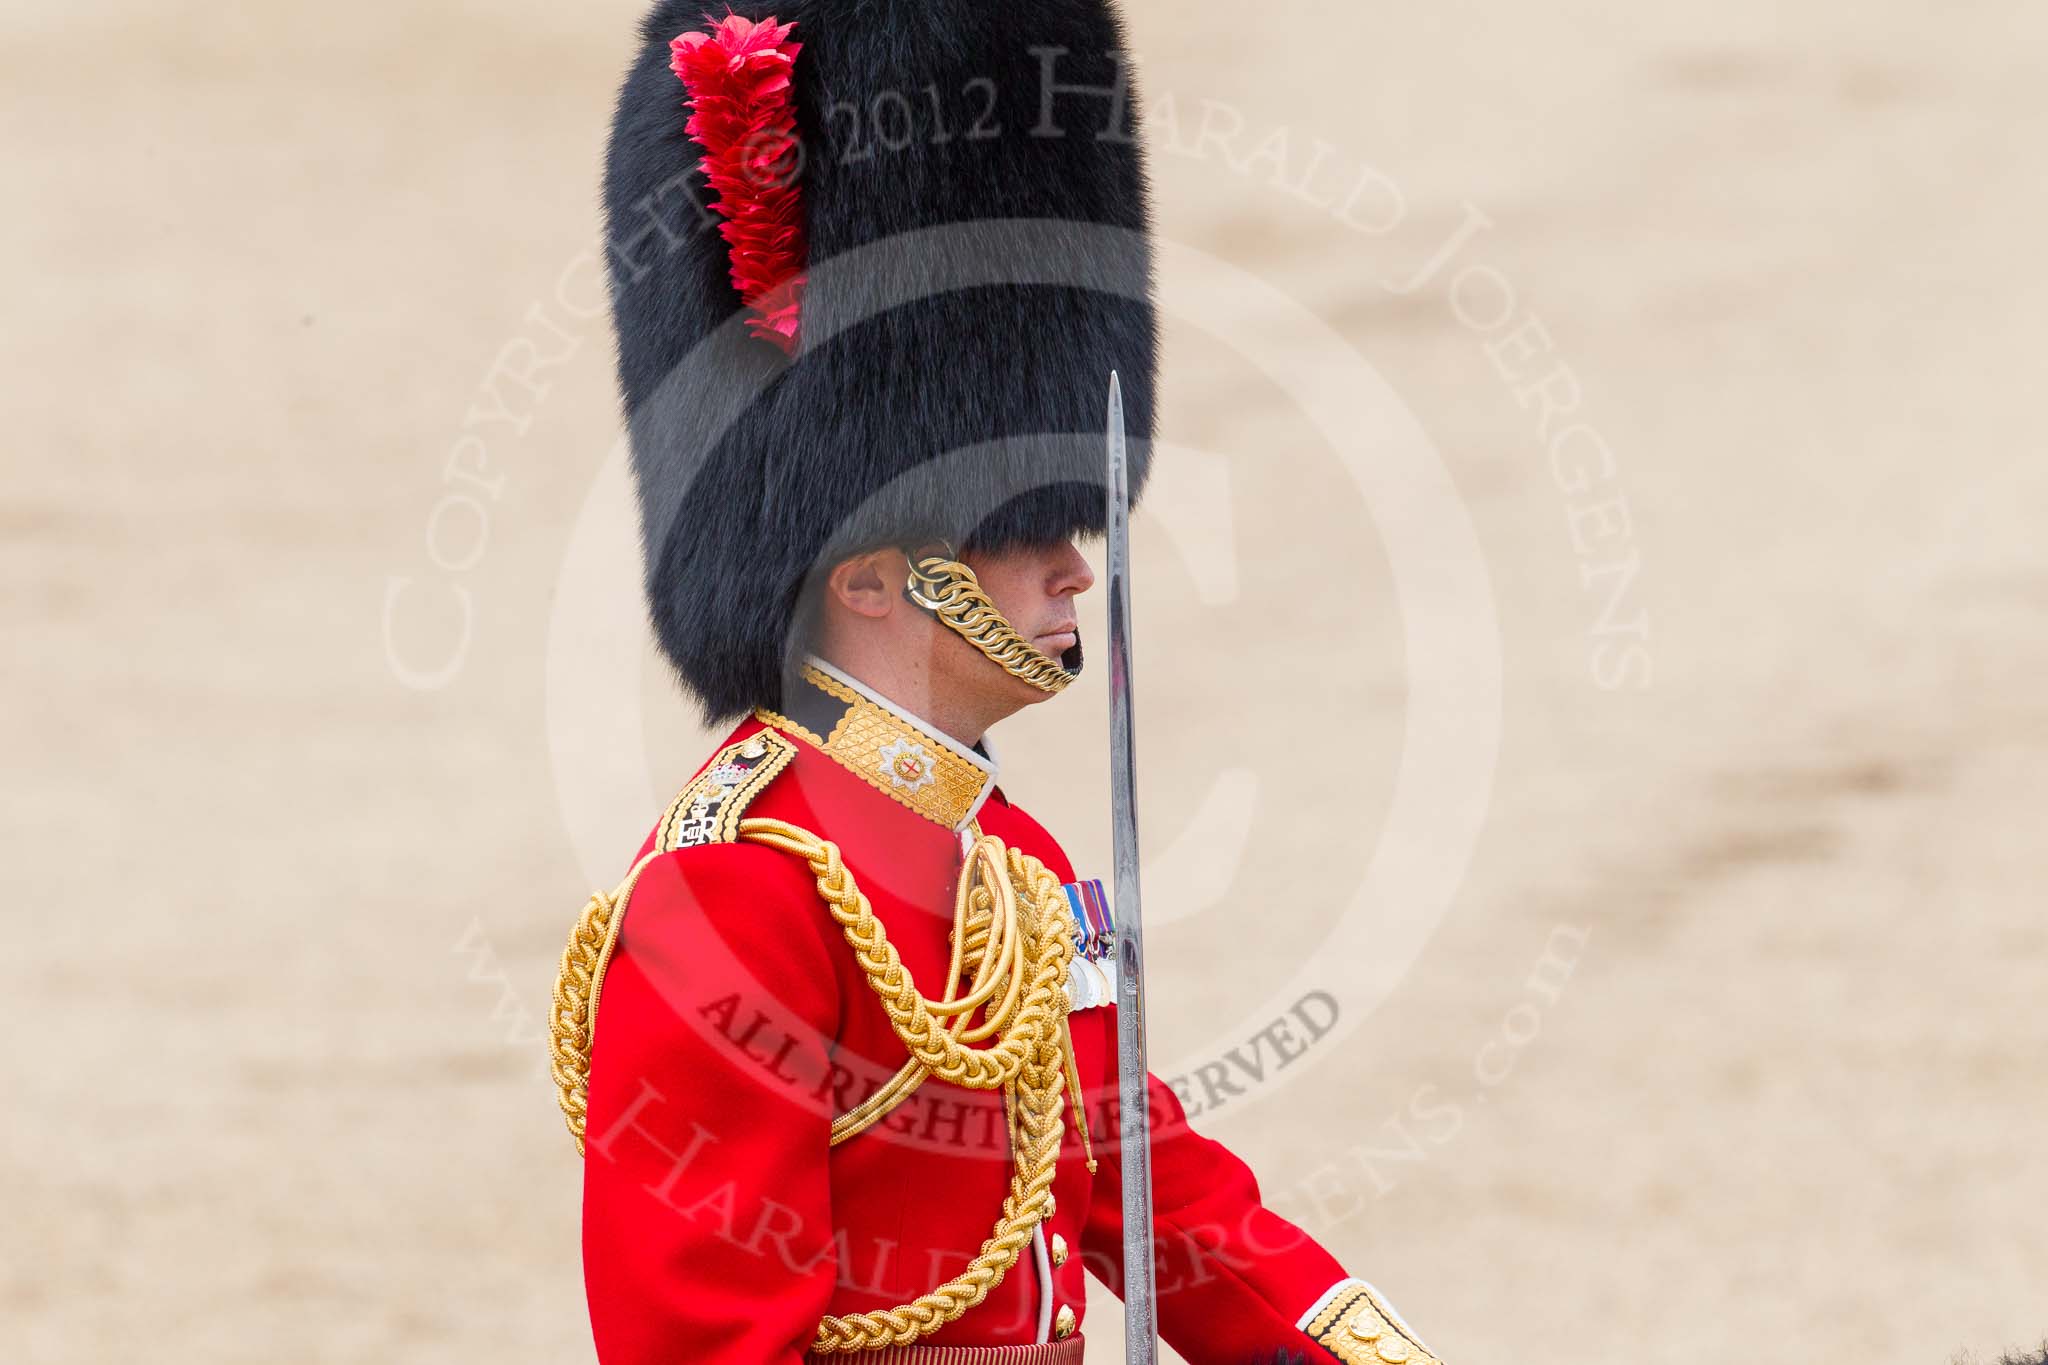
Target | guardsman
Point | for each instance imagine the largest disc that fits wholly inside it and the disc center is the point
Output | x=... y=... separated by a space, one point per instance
x=839 y=1051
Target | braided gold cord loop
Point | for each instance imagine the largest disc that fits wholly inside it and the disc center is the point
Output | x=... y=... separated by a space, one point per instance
x=949 y=589
x=1012 y=945
x=1010 y=924
x=577 y=984
x=913 y=1017
x=979 y=935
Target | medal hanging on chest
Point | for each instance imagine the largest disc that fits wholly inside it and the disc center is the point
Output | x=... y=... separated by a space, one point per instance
x=1091 y=977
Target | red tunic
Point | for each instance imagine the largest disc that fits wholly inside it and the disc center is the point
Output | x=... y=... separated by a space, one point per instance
x=734 y=1024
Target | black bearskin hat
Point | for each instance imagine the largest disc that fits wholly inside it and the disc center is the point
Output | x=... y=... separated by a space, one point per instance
x=971 y=224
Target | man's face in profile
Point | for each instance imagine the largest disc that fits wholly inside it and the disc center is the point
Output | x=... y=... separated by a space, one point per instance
x=1034 y=587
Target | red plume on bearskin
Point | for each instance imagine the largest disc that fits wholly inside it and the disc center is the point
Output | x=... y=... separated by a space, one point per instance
x=737 y=73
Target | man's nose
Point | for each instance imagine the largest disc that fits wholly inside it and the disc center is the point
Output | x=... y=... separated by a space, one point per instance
x=1072 y=574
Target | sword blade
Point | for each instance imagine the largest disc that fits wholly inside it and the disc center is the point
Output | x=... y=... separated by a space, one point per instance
x=1141 y=1332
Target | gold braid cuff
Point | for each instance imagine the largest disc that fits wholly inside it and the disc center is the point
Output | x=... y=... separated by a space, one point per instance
x=1355 y=1323
x=949 y=590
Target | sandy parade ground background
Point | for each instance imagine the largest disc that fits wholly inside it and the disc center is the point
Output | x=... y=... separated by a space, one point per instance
x=1591 y=650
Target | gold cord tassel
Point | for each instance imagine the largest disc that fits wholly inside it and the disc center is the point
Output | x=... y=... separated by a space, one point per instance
x=1080 y=1104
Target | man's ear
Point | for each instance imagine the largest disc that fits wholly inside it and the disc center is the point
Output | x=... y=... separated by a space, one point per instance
x=870 y=584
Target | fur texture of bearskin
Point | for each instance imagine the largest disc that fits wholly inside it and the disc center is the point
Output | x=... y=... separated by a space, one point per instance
x=979 y=262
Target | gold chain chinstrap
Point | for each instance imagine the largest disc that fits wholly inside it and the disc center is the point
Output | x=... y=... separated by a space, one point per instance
x=949 y=590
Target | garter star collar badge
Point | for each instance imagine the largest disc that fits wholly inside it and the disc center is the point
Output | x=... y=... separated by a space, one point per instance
x=906 y=764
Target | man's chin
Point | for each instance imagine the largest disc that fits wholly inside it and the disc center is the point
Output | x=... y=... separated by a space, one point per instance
x=1028 y=695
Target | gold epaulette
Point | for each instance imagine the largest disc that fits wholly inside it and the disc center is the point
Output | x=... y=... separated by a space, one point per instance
x=707 y=811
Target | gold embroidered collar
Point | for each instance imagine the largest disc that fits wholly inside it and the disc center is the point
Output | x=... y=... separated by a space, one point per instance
x=897 y=753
